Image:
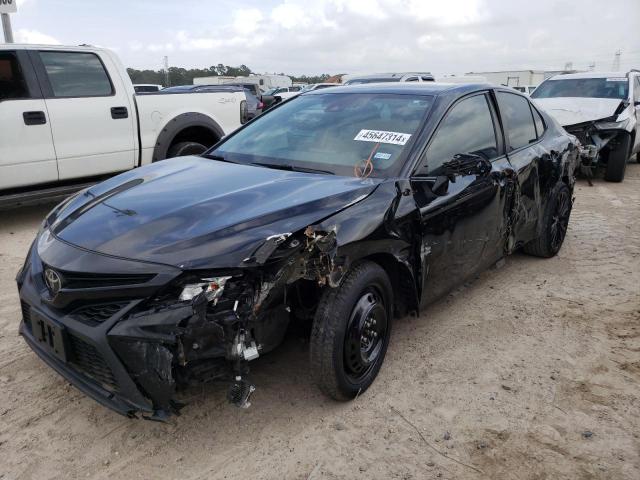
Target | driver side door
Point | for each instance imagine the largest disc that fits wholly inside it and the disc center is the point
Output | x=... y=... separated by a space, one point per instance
x=463 y=213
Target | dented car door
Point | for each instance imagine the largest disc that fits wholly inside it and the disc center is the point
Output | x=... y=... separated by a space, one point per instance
x=459 y=189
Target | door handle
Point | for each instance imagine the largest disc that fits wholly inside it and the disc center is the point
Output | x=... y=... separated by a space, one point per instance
x=119 y=112
x=34 y=118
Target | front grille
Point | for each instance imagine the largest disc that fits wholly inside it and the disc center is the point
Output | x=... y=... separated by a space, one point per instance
x=94 y=315
x=26 y=314
x=73 y=280
x=89 y=362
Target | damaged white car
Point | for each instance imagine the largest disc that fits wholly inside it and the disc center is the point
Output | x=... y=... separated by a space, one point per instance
x=603 y=111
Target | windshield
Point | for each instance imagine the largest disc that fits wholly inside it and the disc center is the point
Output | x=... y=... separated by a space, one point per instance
x=349 y=134
x=612 y=87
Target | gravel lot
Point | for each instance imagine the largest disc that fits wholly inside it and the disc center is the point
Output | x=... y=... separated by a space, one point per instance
x=529 y=372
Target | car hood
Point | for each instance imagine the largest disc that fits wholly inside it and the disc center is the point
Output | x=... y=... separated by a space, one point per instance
x=193 y=212
x=572 y=110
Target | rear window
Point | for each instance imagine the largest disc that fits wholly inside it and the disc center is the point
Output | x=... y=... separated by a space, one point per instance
x=354 y=134
x=611 y=87
x=76 y=74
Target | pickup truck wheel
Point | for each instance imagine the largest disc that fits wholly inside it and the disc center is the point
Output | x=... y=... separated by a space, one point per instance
x=186 y=148
x=617 y=162
x=555 y=221
x=351 y=332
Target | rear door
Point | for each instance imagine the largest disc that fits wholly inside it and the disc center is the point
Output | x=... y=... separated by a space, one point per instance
x=27 y=156
x=464 y=220
x=90 y=111
x=636 y=103
x=525 y=154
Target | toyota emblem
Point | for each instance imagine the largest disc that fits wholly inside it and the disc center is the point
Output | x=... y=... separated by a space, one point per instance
x=53 y=281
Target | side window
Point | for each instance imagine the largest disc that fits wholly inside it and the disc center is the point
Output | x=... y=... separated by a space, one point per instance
x=427 y=79
x=636 y=90
x=412 y=79
x=467 y=128
x=12 y=82
x=517 y=116
x=76 y=74
x=539 y=121
x=294 y=89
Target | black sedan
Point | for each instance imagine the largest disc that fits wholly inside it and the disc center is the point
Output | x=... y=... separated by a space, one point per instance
x=343 y=208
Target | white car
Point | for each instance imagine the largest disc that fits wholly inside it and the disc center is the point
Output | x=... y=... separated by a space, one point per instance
x=602 y=109
x=283 y=93
x=388 y=77
x=317 y=86
x=70 y=114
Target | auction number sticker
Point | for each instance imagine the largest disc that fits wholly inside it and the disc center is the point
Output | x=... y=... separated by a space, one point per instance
x=380 y=136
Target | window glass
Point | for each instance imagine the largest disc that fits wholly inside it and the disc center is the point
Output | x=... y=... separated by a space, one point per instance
x=636 y=96
x=611 y=87
x=539 y=122
x=412 y=79
x=348 y=134
x=76 y=74
x=516 y=114
x=467 y=129
x=12 y=83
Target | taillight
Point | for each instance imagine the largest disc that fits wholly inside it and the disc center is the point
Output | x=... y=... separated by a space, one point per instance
x=244 y=112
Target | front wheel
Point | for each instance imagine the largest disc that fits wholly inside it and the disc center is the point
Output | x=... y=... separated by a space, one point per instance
x=617 y=161
x=555 y=223
x=351 y=332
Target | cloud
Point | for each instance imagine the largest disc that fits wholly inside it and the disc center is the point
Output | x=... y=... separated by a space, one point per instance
x=332 y=36
x=23 y=35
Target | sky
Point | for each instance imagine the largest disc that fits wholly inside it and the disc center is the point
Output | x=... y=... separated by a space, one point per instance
x=344 y=36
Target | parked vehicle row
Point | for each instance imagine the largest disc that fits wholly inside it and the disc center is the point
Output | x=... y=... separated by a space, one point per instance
x=344 y=207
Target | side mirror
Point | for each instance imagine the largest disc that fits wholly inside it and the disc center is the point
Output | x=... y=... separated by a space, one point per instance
x=467 y=164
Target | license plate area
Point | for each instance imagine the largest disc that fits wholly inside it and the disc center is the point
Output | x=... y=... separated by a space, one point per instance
x=49 y=335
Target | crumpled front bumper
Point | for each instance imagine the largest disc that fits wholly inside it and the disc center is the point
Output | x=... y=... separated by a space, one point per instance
x=78 y=345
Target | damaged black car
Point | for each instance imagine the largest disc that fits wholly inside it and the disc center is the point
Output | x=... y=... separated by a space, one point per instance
x=341 y=209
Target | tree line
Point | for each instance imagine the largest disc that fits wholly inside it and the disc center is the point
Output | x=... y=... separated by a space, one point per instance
x=183 y=76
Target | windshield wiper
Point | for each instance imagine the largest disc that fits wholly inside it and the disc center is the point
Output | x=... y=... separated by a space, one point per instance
x=292 y=168
x=217 y=157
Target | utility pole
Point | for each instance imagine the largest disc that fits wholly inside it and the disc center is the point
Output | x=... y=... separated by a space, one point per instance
x=7 y=7
x=166 y=70
x=616 y=61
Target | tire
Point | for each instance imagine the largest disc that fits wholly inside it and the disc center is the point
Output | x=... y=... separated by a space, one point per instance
x=555 y=221
x=617 y=162
x=186 y=148
x=351 y=332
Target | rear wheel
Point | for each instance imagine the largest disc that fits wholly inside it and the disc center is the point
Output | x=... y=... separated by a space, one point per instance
x=617 y=162
x=186 y=148
x=556 y=221
x=351 y=332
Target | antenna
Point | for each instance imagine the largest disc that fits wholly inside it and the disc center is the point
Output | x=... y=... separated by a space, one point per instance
x=568 y=66
x=616 y=61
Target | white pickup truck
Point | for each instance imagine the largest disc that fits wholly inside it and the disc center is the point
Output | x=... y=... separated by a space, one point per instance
x=70 y=115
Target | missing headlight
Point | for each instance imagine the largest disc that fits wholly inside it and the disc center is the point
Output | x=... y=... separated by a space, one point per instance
x=211 y=287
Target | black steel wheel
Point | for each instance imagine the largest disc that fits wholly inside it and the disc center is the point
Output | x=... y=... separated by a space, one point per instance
x=365 y=336
x=351 y=331
x=554 y=223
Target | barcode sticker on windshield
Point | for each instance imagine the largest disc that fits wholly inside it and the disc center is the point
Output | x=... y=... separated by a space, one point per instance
x=616 y=79
x=381 y=136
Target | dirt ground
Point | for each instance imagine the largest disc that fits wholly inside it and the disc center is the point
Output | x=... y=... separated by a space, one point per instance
x=530 y=371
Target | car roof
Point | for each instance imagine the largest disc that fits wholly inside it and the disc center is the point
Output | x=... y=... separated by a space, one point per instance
x=406 y=88
x=569 y=76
